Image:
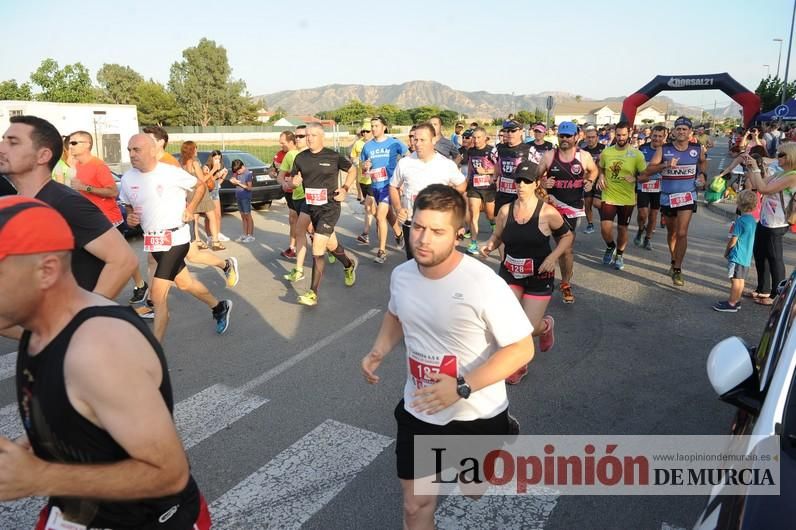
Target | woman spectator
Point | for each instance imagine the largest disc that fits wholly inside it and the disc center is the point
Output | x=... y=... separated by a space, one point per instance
x=189 y=163
x=776 y=190
x=217 y=172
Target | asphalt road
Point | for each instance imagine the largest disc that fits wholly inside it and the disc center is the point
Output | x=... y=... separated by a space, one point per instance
x=282 y=431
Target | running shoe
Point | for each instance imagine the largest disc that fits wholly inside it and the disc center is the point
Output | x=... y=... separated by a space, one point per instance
x=726 y=307
x=517 y=376
x=473 y=248
x=548 y=338
x=381 y=256
x=677 y=278
x=399 y=241
x=619 y=263
x=468 y=235
x=589 y=229
x=610 y=254
x=222 y=237
x=330 y=258
x=145 y=312
x=350 y=274
x=222 y=316
x=566 y=293
x=249 y=239
x=647 y=244
x=241 y=238
x=294 y=275
x=231 y=272
x=637 y=239
x=363 y=239
x=288 y=253
x=309 y=298
x=139 y=294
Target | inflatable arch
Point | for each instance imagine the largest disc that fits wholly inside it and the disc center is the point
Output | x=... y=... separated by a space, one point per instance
x=749 y=101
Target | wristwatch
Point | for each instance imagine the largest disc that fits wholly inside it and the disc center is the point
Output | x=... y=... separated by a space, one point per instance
x=462 y=388
x=88 y=189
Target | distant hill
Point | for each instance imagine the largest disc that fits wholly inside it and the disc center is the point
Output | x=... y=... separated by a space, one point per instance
x=419 y=93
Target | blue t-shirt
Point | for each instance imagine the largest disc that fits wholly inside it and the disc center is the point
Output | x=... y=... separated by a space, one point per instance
x=383 y=157
x=744 y=230
x=241 y=193
x=455 y=140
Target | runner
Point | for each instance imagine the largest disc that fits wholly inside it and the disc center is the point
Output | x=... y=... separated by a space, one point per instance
x=648 y=194
x=288 y=142
x=92 y=178
x=620 y=164
x=379 y=157
x=364 y=184
x=482 y=160
x=593 y=197
x=444 y=146
x=682 y=166
x=298 y=201
x=703 y=138
x=316 y=169
x=417 y=171
x=539 y=145
x=444 y=301
x=529 y=266
x=94 y=394
x=156 y=193
x=511 y=154
x=566 y=172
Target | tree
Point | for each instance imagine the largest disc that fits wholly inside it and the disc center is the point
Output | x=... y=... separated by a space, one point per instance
x=70 y=84
x=118 y=83
x=448 y=117
x=280 y=113
x=353 y=111
x=770 y=92
x=203 y=87
x=423 y=114
x=525 y=117
x=12 y=91
x=156 y=106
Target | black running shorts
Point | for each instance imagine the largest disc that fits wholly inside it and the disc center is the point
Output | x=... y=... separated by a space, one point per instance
x=648 y=200
x=485 y=194
x=324 y=218
x=170 y=262
x=623 y=213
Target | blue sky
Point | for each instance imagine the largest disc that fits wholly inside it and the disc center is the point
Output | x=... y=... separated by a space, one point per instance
x=595 y=49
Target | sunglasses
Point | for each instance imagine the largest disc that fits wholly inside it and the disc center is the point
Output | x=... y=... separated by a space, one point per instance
x=512 y=130
x=781 y=155
x=411 y=136
x=565 y=136
x=301 y=136
x=75 y=142
x=524 y=180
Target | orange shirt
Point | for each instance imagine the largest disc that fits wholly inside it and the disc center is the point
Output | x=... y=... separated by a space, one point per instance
x=96 y=174
x=168 y=158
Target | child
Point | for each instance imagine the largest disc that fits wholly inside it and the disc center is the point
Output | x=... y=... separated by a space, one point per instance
x=242 y=179
x=739 y=251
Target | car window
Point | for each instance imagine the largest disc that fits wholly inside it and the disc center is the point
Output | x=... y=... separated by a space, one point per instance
x=776 y=331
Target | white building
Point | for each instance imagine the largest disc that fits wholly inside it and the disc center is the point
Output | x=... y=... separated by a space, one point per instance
x=603 y=113
x=111 y=126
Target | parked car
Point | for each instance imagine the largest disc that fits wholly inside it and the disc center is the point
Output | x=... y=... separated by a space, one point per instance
x=760 y=382
x=265 y=188
x=126 y=230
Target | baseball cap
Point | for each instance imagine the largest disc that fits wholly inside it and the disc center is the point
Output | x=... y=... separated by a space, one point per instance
x=467 y=133
x=642 y=136
x=682 y=120
x=526 y=171
x=539 y=127
x=29 y=226
x=567 y=127
x=512 y=124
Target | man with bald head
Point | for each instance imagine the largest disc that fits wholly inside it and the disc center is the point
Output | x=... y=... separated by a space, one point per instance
x=156 y=194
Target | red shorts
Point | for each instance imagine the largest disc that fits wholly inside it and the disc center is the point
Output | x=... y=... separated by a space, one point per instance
x=203 y=521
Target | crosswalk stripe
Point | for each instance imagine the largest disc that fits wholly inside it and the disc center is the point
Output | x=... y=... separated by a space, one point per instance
x=8 y=365
x=496 y=511
x=300 y=480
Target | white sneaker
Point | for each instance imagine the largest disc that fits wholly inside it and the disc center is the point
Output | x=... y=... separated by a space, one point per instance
x=241 y=239
x=249 y=239
x=222 y=237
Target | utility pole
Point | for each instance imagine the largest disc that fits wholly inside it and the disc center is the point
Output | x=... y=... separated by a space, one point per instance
x=779 y=57
x=787 y=60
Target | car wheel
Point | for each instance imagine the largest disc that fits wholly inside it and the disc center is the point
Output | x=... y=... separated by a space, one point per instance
x=262 y=205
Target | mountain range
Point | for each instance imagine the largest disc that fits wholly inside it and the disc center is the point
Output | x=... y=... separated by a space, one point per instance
x=479 y=104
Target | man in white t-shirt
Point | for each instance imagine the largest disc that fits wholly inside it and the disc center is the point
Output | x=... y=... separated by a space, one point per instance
x=413 y=173
x=156 y=193
x=464 y=331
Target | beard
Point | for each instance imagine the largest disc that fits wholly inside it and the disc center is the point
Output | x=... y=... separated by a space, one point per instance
x=622 y=143
x=431 y=258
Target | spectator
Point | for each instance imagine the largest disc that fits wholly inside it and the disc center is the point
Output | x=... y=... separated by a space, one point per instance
x=739 y=251
x=242 y=178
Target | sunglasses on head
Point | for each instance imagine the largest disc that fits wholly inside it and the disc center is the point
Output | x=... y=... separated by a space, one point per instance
x=565 y=136
x=524 y=180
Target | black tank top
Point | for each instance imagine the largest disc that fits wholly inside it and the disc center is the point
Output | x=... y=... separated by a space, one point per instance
x=58 y=433
x=569 y=179
x=525 y=241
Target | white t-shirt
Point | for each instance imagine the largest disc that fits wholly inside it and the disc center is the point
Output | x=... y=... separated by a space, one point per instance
x=159 y=198
x=411 y=175
x=453 y=325
x=772 y=207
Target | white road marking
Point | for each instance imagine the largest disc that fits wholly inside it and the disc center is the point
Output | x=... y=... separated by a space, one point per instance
x=299 y=481
x=8 y=365
x=496 y=511
x=667 y=526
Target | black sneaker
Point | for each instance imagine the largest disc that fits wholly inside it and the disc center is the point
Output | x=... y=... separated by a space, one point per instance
x=222 y=316
x=725 y=307
x=139 y=294
x=399 y=241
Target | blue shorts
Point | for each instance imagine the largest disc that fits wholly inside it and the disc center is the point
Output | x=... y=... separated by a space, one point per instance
x=244 y=204
x=736 y=271
x=381 y=194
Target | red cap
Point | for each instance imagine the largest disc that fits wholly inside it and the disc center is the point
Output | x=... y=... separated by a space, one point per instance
x=29 y=226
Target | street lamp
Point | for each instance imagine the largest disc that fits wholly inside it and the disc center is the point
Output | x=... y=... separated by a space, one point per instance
x=768 y=70
x=787 y=60
x=779 y=57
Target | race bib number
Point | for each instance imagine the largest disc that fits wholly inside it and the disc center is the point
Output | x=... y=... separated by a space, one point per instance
x=316 y=196
x=56 y=521
x=422 y=365
x=481 y=181
x=507 y=185
x=159 y=241
x=651 y=186
x=685 y=198
x=378 y=175
x=519 y=267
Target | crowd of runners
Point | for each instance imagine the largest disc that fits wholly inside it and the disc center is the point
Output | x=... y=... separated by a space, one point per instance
x=94 y=390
